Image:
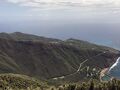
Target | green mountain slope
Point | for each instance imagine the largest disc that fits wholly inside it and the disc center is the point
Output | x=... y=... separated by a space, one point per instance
x=46 y=60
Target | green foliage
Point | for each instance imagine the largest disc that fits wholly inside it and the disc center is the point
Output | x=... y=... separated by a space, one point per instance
x=95 y=85
x=19 y=82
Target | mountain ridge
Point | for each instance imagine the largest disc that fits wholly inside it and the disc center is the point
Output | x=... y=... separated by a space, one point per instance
x=19 y=36
x=43 y=59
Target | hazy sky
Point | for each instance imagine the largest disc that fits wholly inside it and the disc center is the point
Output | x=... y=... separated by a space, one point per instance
x=92 y=20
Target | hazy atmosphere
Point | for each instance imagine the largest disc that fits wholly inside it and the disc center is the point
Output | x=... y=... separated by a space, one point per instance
x=59 y=44
x=92 y=20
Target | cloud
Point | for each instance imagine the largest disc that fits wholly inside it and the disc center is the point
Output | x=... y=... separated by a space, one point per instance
x=18 y=1
x=78 y=3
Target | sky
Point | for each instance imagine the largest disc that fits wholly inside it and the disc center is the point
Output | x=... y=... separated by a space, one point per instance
x=92 y=20
x=93 y=10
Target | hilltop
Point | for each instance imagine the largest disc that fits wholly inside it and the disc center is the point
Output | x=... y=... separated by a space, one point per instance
x=18 y=36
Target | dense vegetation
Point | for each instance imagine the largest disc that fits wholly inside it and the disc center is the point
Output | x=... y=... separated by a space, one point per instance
x=16 y=81
x=22 y=82
x=93 y=85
